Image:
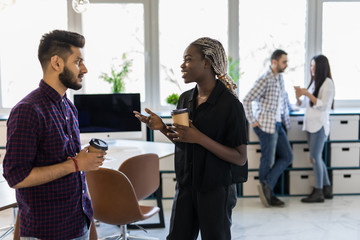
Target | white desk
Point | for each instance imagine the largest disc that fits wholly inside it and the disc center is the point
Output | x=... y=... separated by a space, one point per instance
x=120 y=150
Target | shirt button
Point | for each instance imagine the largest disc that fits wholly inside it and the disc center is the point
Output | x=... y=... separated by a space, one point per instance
x=66 y=118
x=83 y=191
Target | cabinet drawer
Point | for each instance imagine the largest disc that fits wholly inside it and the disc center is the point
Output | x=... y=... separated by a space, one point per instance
x=344 y=127
x=345 y=155
x=2 y=133
x=301 y=182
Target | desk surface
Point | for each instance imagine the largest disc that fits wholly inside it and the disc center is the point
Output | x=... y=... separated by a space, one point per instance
x=120 y=150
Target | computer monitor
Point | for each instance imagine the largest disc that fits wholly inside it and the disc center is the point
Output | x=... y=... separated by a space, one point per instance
x=108 y=116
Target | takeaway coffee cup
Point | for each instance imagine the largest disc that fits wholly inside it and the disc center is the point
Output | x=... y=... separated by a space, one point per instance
x=180 y=116
x=97 y=145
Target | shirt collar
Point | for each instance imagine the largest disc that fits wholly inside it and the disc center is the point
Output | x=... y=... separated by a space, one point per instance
x=219 y=88
x=50 y=92
x=276 y=76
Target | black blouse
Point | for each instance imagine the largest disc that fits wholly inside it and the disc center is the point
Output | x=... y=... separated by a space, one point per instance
x=221 y=118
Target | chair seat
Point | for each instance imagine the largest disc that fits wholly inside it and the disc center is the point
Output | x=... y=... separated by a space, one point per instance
x=114 y=198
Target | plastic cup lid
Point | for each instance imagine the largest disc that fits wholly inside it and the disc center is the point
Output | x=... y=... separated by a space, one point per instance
x=99 y=144
x=179 y=111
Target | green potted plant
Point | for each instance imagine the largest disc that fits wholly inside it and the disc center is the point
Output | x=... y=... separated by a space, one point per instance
x=117 y=76
x=173 y=99
x=234 y=70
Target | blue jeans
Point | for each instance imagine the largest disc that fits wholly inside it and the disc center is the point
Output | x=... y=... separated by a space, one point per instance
x=271 y=144
x=83 y=237
x=316 y=143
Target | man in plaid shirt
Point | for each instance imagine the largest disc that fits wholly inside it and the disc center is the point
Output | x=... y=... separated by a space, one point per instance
x=268 y=121
x=43 y=161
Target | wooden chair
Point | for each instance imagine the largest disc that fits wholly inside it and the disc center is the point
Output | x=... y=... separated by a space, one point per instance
x=114 y=199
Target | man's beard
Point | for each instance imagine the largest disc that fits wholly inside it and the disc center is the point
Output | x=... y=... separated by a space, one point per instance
x=280 y=70
x=69 y=80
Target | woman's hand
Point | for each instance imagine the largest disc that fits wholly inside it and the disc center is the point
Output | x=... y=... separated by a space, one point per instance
x=300 y=92
x=153 y=121
x=182 y=133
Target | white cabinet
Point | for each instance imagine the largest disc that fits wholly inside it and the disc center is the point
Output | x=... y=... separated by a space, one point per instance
x=2 y=133
x=295 y=133
x=301 y=182
x=341 y=151
x=249 y=188
x=2 y=155
x=168 y=185
x=345 y=154
x=346 y=181
x=254 y=154
x=344 y=127
x=301 y=156
x=252 y=135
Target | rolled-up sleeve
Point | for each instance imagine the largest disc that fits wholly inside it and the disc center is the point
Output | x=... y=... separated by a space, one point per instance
x=21 y=144
x=325 y=98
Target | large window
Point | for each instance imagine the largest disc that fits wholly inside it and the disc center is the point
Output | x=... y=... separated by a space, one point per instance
x=268 y=25
x=153 y=35
x=20 y=31
x=340 y=43
x=114 y=34
x=180 y=23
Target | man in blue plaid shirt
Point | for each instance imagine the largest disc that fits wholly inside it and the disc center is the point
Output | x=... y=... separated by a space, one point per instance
x=268 y=121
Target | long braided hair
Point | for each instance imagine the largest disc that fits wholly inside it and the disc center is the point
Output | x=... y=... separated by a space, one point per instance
x=215 y=52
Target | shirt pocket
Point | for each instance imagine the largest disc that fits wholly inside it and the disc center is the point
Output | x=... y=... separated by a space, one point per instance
x=54 y=142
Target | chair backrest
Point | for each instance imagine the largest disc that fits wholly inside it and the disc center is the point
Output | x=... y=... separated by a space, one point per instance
x=143 y=173
x=113 y=197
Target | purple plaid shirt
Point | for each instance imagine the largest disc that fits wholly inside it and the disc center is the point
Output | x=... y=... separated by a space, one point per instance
x=43 y=130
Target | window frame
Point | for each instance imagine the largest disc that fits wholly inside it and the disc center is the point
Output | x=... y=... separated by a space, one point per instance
x=313 y=43
x=151 y=44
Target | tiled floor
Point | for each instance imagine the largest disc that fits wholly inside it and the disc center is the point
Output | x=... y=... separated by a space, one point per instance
x=337 y=219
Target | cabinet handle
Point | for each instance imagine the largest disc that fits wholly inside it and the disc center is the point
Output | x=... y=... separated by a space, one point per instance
x=346 y=149
x=256 y=177
x=347 y=175
x=306 y=149
x=343 y=122
x=258 y=150
x=304 y=176
x=300 y=122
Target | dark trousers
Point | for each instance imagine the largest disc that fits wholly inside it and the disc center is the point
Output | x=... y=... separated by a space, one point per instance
x=210 y=212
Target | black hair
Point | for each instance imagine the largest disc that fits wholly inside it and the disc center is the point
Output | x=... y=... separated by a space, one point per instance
x=277 y=54
x=58 y=42
x=322 y=71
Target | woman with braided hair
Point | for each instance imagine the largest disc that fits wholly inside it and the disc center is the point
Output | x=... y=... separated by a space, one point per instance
x=210 y=154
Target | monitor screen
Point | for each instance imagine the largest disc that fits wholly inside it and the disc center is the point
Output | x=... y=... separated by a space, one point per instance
x=108 y=116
